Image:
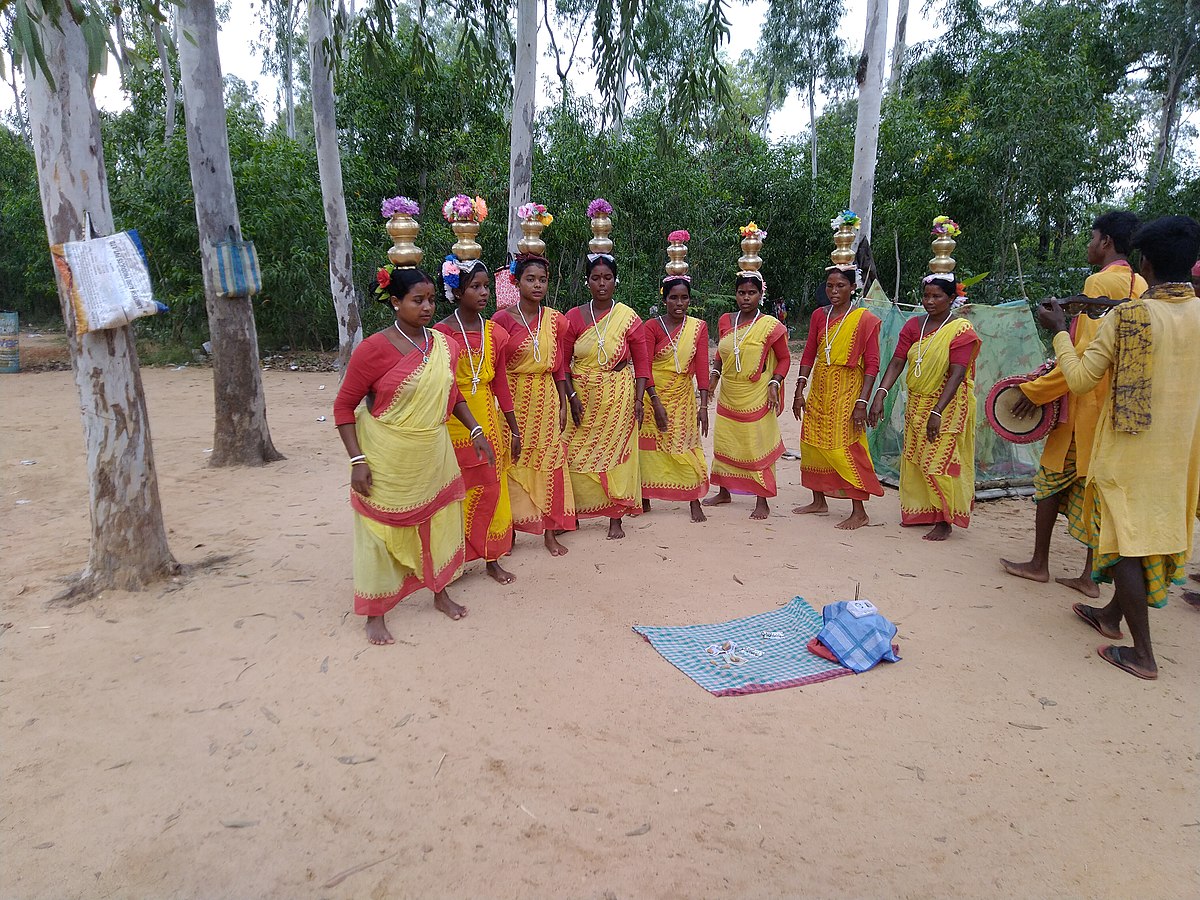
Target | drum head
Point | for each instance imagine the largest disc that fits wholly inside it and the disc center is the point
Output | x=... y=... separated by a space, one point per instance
x=1001 y=401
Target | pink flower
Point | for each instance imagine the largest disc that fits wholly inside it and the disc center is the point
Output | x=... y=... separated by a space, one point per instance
x=399 y=206
x=599 y=207
x=679 y=237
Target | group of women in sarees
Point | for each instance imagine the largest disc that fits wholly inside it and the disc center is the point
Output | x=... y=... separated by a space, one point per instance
x=474 y=429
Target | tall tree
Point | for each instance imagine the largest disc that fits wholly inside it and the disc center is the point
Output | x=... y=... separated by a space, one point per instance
x=281 y=41
x=524 y=109
x=128 y=547
x=168 y=77
x=241 y=434
x=870 y=102
x=899 y=49
x=322 y=56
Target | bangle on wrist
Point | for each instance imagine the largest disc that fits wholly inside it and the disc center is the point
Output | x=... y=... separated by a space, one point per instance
x=477 y=431
x=359 y=458
x=860 y=400
x=358 y=462
x=878 y=389
x=934 y=412
x=803 y=378
x=571 y=396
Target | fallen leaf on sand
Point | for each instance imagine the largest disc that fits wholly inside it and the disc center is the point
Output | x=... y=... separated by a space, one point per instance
x=354 y=760
x=637 y=832
x=239 y=823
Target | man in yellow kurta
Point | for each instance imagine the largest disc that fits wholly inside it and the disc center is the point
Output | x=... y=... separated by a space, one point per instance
x=1058 y=486
x=1143 y=485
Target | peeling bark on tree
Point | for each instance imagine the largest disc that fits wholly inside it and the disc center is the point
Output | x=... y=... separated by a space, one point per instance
x=520 y=160
x=241 y=435
x=899 y=50
x=870 y=101
x=168 y=78
x=128 y=547
x=329 y=166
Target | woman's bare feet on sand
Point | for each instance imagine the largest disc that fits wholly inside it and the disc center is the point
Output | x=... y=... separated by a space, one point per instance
x=500 y=574
x=377 y=632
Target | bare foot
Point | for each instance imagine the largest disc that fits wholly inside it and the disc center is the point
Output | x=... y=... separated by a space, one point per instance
x=646 y=505
x=442 y=602
x=698 y=513
x=552 y=544
x=817 y=506
x=938 y=532
x=720 y=497
x=615 y=531
x=1030 y=571
x=761 y=509
x=856 y=519
x=377 y=632
x=501 y=575
x=1085 y=586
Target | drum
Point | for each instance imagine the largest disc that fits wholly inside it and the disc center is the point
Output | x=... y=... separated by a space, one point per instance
x=1002 y=399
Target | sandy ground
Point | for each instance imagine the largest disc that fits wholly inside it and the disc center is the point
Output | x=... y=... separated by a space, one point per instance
x=232 y=734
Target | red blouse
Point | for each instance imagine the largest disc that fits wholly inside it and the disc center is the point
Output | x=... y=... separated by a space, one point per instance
x=819 y=324
x=657 y=338
x=961 y=348
x=778 y=343
x=633 y=347
x=370 y=361
x=518 y=334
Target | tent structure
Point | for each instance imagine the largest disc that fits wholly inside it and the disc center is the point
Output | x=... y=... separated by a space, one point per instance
x=1010 y=346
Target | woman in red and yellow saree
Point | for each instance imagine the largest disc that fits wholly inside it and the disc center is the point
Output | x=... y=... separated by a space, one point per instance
x=482 y=378
x=672 y=460
x=937 y=465
x=406 y=488
x=752 y=361
x=606 y=381
x=538 y=486
x=838 y=368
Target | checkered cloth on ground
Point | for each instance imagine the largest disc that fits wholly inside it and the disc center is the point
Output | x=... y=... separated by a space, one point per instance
x=858 y=643
x=781 y=636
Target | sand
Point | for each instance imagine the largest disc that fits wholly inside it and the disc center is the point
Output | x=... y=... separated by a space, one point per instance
x=231 y=734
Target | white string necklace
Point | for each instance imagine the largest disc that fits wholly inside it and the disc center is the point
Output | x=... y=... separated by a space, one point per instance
x=836 y=332
x=921 y=350
x=475 y=370
x=673 y=341
x=602 y=355
x=424 y=351
x=737 y=345
x=535 y=332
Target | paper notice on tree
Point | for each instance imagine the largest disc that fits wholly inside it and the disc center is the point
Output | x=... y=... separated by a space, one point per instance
x=107 y=280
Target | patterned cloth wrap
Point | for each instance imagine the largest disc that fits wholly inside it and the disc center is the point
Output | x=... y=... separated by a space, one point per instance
x=857 y=634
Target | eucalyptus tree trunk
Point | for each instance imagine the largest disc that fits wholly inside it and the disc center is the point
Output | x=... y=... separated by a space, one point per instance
x=520 y=157
x=168 y=78
x=812 y=122
x=870 y=101
x=899 y=49
x=329 y=166
x=241 y=437
x=128 y=546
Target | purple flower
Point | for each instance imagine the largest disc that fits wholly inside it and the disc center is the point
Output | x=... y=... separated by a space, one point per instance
x=599 y=207
x=399 y=206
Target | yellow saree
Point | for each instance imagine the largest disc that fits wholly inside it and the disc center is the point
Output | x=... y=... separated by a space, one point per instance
x=834 y=459
x=408 y=533
x=746 y=437
x=672 y=461
x=937 y=479
x=539 y=489
x=602 y=450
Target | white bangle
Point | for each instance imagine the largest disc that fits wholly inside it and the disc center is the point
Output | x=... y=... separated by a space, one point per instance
x=362 y=457
x=477 y=431
x=934 y=412
x=803 y=378
x=878 y=389
x=358 y=462
x=860 y=400
x=775 y=381
x=571 y=396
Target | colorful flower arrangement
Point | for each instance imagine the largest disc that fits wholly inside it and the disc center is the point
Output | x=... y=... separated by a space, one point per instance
x=535 y=211
x=451 y=272
x=599 y=207
x=679 y=237
x=383 y=278
x=461 y=208
x=399 y=206
x=752 y=230
x=944 y=226
x=846 y=218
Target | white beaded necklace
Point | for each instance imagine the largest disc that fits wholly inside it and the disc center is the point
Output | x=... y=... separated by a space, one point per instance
x=535 y=332
x=828 y=341
x=602 y=355
x=673 y=341
x=424 y=351
x=475 y=370
x=921 y=349
x=737 y=345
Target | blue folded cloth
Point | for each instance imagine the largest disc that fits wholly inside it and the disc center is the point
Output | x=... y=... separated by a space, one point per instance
x=857 y=634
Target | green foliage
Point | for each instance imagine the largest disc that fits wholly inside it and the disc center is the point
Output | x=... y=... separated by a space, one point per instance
x=26 y=276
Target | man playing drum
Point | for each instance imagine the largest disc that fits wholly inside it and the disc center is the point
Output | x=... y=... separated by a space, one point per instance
x=1058 y=486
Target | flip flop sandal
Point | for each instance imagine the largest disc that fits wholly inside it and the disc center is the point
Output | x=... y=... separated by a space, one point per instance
x=1084 y=613
x=1113 y=656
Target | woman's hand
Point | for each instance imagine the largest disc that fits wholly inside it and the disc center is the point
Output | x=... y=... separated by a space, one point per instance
x=702 y=419
x=360 y=479
x=483 y=449
x=876 y=413
x=773 y=398
x=858 y=418
x=639 y=410
x=933 y=427
x=562 y=416
x=514 y=446
x=661 y=422
x=576 y=409
x=798 y=404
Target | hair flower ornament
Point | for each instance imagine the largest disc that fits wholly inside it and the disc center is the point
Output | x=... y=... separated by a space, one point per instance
x=535 y=211
x=403 y=206
x=847 y=218
x=752 y=230
x=599 y=207
x=461 y=208
x=383 y=279
x=944 y=226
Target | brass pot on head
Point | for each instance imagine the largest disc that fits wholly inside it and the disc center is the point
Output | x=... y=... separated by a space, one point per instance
x=466 y=247
x=531 y=237
x=403 y=230
x=601 y=229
